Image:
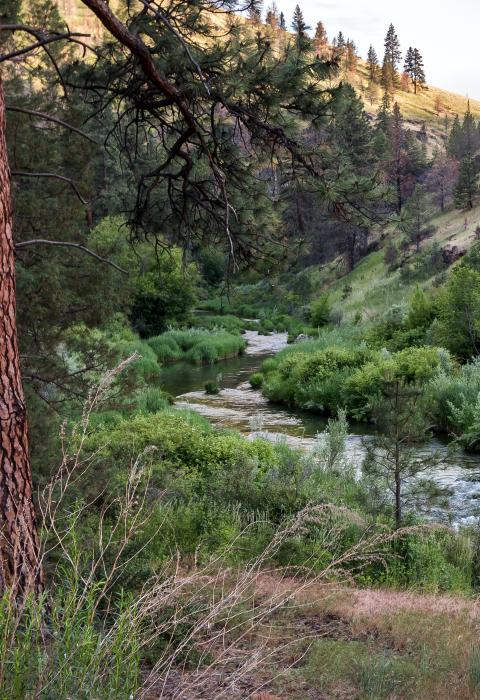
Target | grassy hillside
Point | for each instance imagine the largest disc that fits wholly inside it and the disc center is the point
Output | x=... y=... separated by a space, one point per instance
x=371 y=288
x=415 y=108
x=421 y=106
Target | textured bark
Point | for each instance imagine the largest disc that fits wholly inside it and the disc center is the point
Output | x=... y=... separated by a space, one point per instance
x=20 y=570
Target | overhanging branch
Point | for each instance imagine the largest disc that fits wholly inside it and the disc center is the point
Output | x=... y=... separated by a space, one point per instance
x=68 y=244
x=50 y=118
x=56 y=176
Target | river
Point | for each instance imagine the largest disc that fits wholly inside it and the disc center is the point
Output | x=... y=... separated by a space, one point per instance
x=241 y=408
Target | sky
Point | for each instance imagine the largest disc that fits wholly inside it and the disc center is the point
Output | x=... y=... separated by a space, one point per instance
x=446 y=33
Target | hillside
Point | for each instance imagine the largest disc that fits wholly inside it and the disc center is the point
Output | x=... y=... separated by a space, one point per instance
x=416 y=109
x=371 y=288
x=432 y=106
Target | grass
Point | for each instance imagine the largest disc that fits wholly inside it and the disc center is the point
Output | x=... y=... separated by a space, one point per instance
x=196 y=345
x=372 y=288
x=418 y=108
x=229 y=323
x=376 y=645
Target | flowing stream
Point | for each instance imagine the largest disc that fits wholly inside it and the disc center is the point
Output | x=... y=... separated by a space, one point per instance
x=242 y=408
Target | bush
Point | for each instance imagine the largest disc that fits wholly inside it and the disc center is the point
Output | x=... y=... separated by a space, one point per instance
x=326 y=380
x=320 y=311
x=454 y=403
x=256 y=380
x=229 y=323
x=212 y=388
x=196 y=345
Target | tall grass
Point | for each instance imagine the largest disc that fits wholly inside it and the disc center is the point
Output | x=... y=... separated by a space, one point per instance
x=196 y=345
x=175 y=635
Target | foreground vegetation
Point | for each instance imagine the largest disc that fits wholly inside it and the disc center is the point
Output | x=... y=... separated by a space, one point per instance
x=158 y=532
x=229 y=177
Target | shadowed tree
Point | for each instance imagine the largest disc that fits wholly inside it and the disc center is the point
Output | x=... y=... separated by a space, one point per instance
x=466 y=188
x=373 y=67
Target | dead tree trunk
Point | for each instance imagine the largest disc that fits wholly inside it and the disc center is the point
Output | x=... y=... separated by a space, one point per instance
x=20 y=569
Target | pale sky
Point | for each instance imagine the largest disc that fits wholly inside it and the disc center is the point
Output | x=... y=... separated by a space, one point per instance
x=447 y=34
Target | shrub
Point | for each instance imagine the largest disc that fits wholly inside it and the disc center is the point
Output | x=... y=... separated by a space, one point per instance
x=256 y=380
x=196 y=345
x=454 y=403
x=165 y=348
x=320 y=310
x=152 y=399
x=328 y=379
x=212 y=388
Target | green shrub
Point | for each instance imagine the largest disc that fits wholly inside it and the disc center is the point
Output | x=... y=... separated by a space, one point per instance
x=454 y=403
x=80 y=658
x=320 y=311
x=256 y=380
x=165 y=348
x=331 y=378
x=197 y=345
x=152 y=400
x=212 y=388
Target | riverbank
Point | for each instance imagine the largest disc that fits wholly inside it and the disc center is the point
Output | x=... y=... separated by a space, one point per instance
x=243 y=409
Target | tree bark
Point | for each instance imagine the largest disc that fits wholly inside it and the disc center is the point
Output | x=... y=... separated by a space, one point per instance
x=20 y=567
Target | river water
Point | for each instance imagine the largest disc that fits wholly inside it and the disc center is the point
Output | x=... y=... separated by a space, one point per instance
x=241 y=408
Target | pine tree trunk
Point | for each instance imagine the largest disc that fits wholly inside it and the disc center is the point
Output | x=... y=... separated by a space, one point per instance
x=20 y=570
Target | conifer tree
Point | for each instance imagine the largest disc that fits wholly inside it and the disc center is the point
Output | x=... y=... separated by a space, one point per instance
x=351 y=131
x=282 y=23
x=341 y=43
x=392 y=48
x=455 y=139
x=442 y=178
x=255 y=11
x=466 y=188
x=469 y=133
x=321 y=38
x=391 y=60
x=272 y=16
x=350 y=56
x=416 y=217
x=464 y=138
x=373 y=67
x=408 y=63
x=300 y=28
x=414 y=68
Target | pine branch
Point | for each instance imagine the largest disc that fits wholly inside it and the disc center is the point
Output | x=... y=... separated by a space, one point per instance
x=50 y=118
x=56 y=176
x=69 y=244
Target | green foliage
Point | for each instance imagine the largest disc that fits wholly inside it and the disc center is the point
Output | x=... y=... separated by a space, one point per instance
x=212 y=388
x=436 y=561
x=415 y=218
x=163 y=294
x=80 y=658
x=326 y=380
x=466 y=188
x=196 y=345
x=455 y=404
x=320 y=311
x=459 y=313
x=229 y=323
x=256 y=380
x=474 y=668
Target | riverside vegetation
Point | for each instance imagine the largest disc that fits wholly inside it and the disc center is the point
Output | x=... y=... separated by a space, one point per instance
x=241 y=178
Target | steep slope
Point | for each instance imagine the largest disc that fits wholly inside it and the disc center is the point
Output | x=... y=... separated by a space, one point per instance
x=371 y=288
x=432 y=105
